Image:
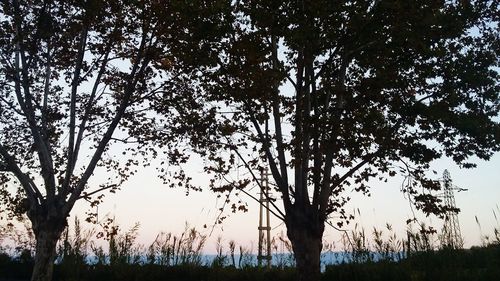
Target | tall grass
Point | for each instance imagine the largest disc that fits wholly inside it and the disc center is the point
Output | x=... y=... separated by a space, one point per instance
x=495 y=237
x=171 y=250
x=378 y=254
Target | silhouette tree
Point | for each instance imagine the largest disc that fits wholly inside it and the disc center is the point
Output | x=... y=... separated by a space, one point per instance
x=332 y=94
x=76 y=78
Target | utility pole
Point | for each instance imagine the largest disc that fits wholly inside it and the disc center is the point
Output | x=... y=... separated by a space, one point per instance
x=264 y=229
x=451 y=235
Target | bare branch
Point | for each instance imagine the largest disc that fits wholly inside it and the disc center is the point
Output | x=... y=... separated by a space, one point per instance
x=32 y=191
x=280 y=216
x=321 y=197
x=83 y=122
x=254 y=177
x=12 y=106
x=125 y=140
x=26 y=103
x=138 y=68
x=282 y=185
x=280 y=147
x=304 y=155
x=87 y=195
x=72 y=112
x=46 y=91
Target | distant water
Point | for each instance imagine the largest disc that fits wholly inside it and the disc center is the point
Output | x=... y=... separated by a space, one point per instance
x=327 y=258
x=285 y=259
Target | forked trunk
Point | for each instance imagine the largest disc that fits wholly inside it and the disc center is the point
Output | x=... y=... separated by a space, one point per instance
x=306 y=239
x=47 y=234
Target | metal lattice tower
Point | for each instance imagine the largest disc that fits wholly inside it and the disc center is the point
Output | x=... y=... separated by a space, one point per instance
x=452 y=237
x=264 y=229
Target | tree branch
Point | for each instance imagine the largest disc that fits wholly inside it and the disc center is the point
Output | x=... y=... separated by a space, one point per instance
x=83 y=122
x=138 y=68
x=32 y=192
x=321 y=197
x=280 y=216
x=46 y=91
x=87 y=195
x=280 y=147
x=72 y=155
x=26 y=104
x=254 y=177
x=283 y=186
x=304 y=155
x=12 y=106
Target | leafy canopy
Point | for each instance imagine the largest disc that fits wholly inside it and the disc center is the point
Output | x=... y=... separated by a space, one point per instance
x=332 y=94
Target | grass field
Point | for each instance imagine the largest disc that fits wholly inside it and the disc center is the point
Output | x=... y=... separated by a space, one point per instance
x=379 y=256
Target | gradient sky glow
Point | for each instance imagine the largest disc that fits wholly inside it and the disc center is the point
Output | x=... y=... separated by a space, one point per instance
x=158 y=208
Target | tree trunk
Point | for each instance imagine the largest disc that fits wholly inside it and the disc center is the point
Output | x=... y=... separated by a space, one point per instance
x=306 y=238
x=47 y=233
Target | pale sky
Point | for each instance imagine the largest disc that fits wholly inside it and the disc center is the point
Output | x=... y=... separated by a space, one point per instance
x=159 y=208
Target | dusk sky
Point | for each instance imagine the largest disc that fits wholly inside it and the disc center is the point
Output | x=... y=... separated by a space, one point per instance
x=158 y=208
x=134 y=134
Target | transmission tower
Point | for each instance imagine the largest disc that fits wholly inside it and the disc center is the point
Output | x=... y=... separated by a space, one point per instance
x=264 y=229
x=452 y=238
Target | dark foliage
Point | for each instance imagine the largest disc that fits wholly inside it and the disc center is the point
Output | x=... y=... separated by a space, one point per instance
x=477 y=263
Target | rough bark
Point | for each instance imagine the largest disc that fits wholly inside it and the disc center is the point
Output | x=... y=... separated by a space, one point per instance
x=47 y=233
x=305 y=234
